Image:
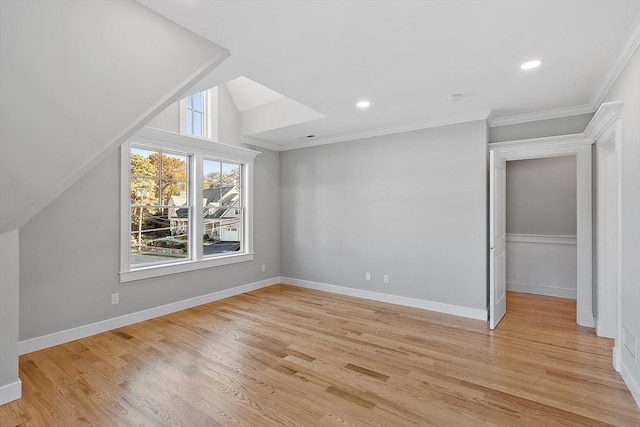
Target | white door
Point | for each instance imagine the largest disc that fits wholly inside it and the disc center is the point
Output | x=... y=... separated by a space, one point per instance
x=497 y=239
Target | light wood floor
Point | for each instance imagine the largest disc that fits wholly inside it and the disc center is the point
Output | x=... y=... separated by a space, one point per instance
x=285 y=356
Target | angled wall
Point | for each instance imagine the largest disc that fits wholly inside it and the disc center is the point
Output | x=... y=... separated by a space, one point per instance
x=77 y=78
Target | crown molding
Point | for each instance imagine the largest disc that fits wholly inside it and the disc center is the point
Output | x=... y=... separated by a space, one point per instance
x=606 y=115
x=555 y=142
x=405 y=127
x=258 y=142
x=555 y=113
x=624 y=55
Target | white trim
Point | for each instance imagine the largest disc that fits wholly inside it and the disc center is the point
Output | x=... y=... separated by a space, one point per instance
x=542 y=238
x=472 y=313
x=554 y=145
x=625 y=53
x=603 y=119
x=551 y=291
x=405 y=127
x=196 y=148
x=10 y=392
x=258 y=142
x=61 y=337
x=209 y=111
x=154 y=136
x=578 y=145
x=181 y=267
x=535 y=116
x=632 y=385
x=616 y=358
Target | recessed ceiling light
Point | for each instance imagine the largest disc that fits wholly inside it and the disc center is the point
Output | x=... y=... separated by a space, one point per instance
x=529 y=65
x=363 y=104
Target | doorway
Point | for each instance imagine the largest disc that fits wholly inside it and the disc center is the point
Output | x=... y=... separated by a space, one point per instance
x=577 y=146
x=541 y=223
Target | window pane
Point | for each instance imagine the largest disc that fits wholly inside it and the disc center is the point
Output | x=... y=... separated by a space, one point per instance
x=210 y=174
x=189 y=122
x=174 y=193
x=197 y=123
x=174 y=166
x=197 y=101
x=142 y=163
x=220 y=235
x=189 y=102
x=144 y=191
x=158 y=238
x=230 y=175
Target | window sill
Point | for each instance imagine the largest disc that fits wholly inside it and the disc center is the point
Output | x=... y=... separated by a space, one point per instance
x=181 y=267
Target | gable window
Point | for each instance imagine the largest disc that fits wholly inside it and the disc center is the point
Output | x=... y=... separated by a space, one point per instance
x=186 y=204
x=197 y=114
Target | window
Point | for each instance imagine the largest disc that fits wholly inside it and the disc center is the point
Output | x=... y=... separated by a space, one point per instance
x=198 y=113
x=187 y=204
x=195 y=114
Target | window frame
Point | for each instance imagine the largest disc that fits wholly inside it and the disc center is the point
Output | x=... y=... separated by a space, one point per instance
x=197 y=148
x=209 y=114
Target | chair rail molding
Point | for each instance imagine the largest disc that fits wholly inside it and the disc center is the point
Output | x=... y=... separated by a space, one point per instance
x=578 y=145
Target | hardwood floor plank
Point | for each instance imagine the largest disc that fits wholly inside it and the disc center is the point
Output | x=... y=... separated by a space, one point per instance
x=287 y=356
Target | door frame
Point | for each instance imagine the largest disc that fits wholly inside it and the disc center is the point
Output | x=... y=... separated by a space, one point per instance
x=578 y=145
x=605 y=130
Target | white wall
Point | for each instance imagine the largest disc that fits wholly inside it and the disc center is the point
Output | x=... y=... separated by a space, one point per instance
x=70 y=255
x=78 y=78
x=169 y=119
x=70 y=79
x=10 y=388
x=228 y=118
x=627 y=88
x=411 y=205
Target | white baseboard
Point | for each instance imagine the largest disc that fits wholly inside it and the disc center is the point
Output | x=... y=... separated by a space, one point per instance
x=550 y=291
x=38 y=343
x=457 y=310
x=631 y=383
x=10 y=392
x=586 y=319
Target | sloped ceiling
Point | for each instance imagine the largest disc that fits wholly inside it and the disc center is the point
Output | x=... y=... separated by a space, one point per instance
x=248 y=94
x=408 y=57
x=77 y=78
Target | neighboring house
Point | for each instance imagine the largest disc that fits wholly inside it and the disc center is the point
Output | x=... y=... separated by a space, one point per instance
x=220 y=219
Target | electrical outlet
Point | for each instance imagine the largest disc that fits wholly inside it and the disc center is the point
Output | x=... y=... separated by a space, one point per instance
x=263 y=267
x=367 y=276
x=115 y=298
x=385 y=279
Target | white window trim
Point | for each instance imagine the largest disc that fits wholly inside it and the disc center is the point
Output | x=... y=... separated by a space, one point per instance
x=198 y=147
x=210 y=114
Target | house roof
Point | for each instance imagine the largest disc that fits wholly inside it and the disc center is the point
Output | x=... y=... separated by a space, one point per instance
x=212 y=195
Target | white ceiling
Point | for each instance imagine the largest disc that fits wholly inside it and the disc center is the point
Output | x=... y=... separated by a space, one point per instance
x=248 y=94
x=408 y=57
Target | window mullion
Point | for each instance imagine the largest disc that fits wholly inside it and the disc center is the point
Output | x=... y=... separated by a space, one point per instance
x=195 y=182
